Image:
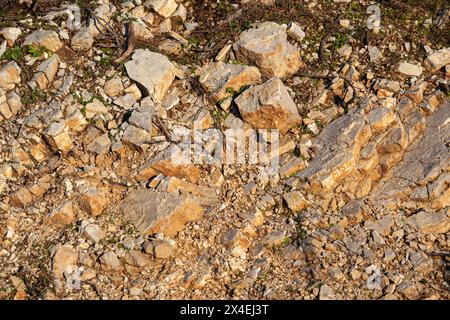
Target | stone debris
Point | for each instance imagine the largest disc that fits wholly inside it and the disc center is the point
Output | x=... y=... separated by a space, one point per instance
x=44 y=38
x=438 y=59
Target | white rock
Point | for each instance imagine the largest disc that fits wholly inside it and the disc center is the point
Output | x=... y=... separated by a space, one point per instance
x=409 y=69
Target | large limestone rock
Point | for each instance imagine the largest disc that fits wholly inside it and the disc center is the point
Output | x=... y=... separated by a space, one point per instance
x=44 y=38
x=10 y=76
x=46 y=72
x=224 y=79
x=431 y=222
x=153 y=71
x=269 y=106
x=64 y=261
x=438 y=59
x=10 y=34
x=160 y=212
x=267 y=47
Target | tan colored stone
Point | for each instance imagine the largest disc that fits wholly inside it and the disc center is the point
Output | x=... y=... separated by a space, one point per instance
x=438 y=59
x=431 y=222
x=10 y=76
x=62 y=215
x=93 y=200
x=295 y=200
x=64 y=260
x=44 y=38
x=113 y=87
x=58 y=138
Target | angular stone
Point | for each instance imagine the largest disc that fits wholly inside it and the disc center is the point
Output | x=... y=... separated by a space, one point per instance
x=64 y=260
x=170 y=162
x=164 y=8
x=113 y=87
x=409 y=69
x=10 y=34
x=21 y=198
x=381 y=118
x=46 y=72
x=10 y=76
x=296 y=32
x=162 y=249
x=82 y=40
x=94 y=108
x=295 y=200
x=137 y=259
x=438 y=59
x=109 y=261
x=136 y=137
x=58 y=138
x=100 y=145
x=225 y=79
x=269 y=106
x=267 y=47
x=93 y=201
x=153 y=71
x=431 y=222
x=62 y=215
x=91 y=231
x=44 y=38
x=159 y=212
x=205 y=195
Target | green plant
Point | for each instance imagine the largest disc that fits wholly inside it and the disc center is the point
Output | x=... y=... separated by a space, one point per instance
x=36 y=52
x=15 y=53
x=194 y=42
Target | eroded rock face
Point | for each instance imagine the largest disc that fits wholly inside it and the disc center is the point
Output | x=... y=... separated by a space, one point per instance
x=10 y=76
x=224 y=79
x=269 y=106
x=153 y=71
x=396 y=154
x=267 y=47
x=160 y=212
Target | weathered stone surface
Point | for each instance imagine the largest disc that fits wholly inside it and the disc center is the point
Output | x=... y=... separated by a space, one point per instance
x=295 y=200
x=205 y=195
x=153 y=71
x=100 y=145
x=113 y=87
x=57 y=136
x=136 y=137
x=163 y=7
x=269 y=106
x=409 y=69
x=21 y=198
x=438 y=59
x=91 y=231
x=64 y=260
x=10 y=76
x=82 y=40
x=162 y=249
x=94 y=108
x=110 y=261
x=93 y=200
x=170 y=162
x=431 y=222
x=160 y=212
x=44 y=38
x=62 y=215
x=46 y=72
x=224 y=79
x=10 y=34
x=266 y=46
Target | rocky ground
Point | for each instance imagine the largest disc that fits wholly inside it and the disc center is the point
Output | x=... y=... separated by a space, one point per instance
x=95 y=97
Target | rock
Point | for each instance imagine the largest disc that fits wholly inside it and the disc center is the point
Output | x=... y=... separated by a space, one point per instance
x=21 y=198
x=94 y=108
x=10 y=34
x=164 y=8
x=91 y=231
x=93 y=200
x=64 y=260
x=267 y=47
x=126 y=102
x=57 y=136
x=409 y=69
x=162 y=249
x=62 y=215
x=137 y=259
x=269 y=106
x=82 y=41
x=326 y=293
x=113 y=87
x=225 y=79
x=47 y=72
x=99 y=145
x=431 y=222
x=408 y=290
x=159 y=212
x=374 y=54
x=109 y=261
x=295 y=201
x=203 y=194
x=136 y=137
x=44 y=38
x=170 y=163
x=295 y=32
x=153 y=71
x=10 y=76
x=438 y=59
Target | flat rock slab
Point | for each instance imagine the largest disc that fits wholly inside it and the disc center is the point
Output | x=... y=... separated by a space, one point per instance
x=153 y=71
x=160 y=212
